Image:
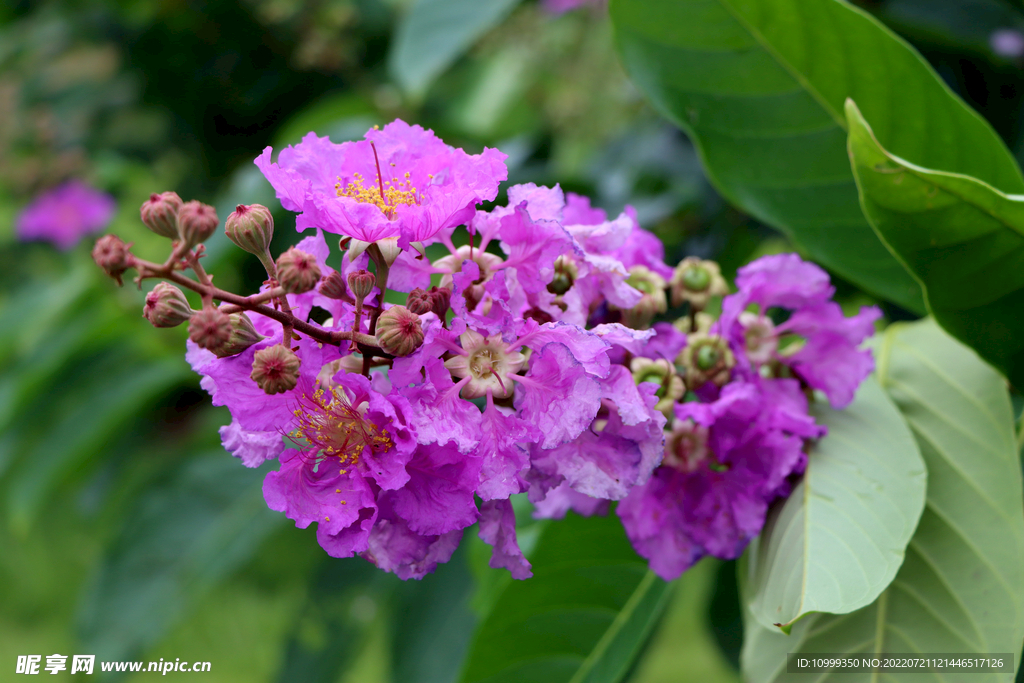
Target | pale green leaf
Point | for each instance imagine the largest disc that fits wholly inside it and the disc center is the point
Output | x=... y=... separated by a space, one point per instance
x=961 y=586
x=837 y=541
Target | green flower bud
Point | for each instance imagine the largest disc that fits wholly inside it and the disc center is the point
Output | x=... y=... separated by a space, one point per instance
x=196 y=222
x=166 y=306
x=399 y=331
x=243 y=335
x=566 y=273
x=361 y=282
x=210 y=328
x=653 y=301
x=275 y=369
x=297 y=271
x=251 y=228
x=663 y=373
x=160 y=214
x=112 y=255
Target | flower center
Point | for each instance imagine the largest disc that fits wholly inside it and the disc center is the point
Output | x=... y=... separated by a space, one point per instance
x=330 y=423
x=394 y=192
x=686 y=446
x=487 y=363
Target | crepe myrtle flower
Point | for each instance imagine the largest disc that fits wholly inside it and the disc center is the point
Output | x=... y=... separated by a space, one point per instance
x=724 y=462
x=65 y=214
x=400 y=181
x=817 y=342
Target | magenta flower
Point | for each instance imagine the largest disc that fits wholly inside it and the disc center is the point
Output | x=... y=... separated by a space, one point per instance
x=724 y=463
x=402 y=181
x=65 y=214
x=823 y=343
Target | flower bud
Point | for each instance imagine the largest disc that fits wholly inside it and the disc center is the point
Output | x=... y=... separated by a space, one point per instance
x=361 y=282
x=441 y=300
x=160 y=214
x=566 y=273
x=112 y=255
x=653 y=302
x=707 y=358
x=275 y=369
x=210 y=328
x=196 y=222
x=166 y=306
x=696 y=281
x=399 y=332
x=419 y=301
x=251 y=228
x=297 y=271
x=243 y=335
x=333 y=286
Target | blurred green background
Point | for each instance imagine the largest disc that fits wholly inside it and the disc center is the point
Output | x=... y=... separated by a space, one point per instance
x=125 y=530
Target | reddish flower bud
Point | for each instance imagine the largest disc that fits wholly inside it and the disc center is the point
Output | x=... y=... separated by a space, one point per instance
x=160 y=214
x=297 y=271
x=251 y=228
x=441 y=300
x=166 y=306
x=399 y=332
x=333 y=285
x=210 y=328
x=112 y=255
x=243 y=335
x=419 y=301
x=362 y=283
x=196 y=222
x=275 y=369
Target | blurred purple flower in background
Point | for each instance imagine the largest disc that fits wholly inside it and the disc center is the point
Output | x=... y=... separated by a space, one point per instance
x=65 y=214
x=1007 y=42
x=563 y=6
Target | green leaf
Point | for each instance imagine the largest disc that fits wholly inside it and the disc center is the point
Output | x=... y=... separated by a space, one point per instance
x=760 y=85
x=583 y=617
x=182 y=540
x=95 y=413
x=437 y=32
x=837 y=541
x=961 y=238
x=961 y=588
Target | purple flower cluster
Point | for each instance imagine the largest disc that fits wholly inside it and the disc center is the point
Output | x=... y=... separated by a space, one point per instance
x=524 y=361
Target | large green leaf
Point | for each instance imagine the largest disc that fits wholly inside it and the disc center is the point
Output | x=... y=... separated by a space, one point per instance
x=961 y=587
x=836 y=542
x=181 y=540
x=961 y=238
x=435 y=33
x=760 y=85
x=582 y=618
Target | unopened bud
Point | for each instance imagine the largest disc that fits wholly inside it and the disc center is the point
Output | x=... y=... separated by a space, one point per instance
x=399 y=332
x=361 y=282
x=333 y=285
x=160 y=214
x=210 y=328
x=707 y=358
x=441 y=300
x=196 y=222
x=297 y=271
x=251 y=228
x=275 y=369
x=419 y=301
x=166 y=306
x=566 y=273
x=243 y=335
x=696 y=281
x=112 y=255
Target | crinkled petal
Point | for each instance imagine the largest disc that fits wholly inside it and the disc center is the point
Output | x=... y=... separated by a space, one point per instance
x=253 y=448
x=498 y=529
